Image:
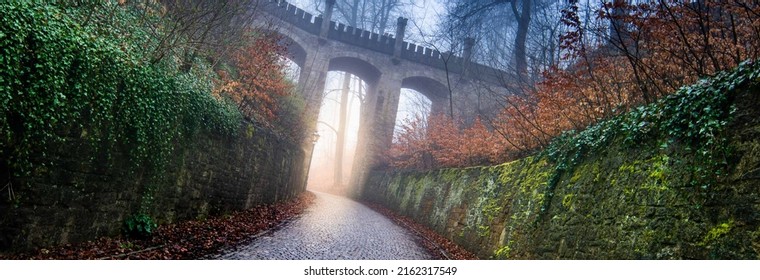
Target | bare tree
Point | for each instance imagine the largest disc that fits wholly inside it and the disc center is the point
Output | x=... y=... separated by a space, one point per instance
x=340 y=145
x=493 y=21
x=205 y=29
x=371 y=15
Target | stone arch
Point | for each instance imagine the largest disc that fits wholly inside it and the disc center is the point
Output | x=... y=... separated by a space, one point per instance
x=361 y=68
x=296 y=51
x=294 y=47
x=434 y=90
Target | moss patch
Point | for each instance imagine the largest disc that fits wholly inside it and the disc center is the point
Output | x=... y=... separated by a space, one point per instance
x=657 y=183
x=717 y=232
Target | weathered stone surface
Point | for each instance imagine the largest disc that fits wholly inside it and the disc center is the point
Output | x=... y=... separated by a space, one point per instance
x=88 y=196
x=334 y=228
x=620 y=203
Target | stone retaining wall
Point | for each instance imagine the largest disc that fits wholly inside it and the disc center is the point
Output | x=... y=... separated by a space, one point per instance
x=87 y=196
x=620 y=203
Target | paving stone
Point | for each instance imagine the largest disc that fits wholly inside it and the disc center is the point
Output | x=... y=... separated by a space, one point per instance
x=334 y=228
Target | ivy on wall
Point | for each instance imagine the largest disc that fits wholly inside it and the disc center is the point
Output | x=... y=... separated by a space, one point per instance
x=61 y=80
x=79 y=72
x=695 y=118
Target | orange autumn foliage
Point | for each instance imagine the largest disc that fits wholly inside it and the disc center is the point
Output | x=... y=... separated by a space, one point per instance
x=662 y=46
x=259 y=79
x=443 y=142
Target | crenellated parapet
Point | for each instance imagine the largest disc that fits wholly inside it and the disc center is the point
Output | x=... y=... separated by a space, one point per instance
x=362 y=38
x=454 y=84
x=386 y=43
x=293 y=15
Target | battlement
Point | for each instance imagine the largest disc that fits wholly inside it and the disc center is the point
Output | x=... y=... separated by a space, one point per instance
x=293 y=15
x=376 y=42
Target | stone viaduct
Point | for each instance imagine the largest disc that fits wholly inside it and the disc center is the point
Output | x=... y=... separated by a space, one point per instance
x=386 y=64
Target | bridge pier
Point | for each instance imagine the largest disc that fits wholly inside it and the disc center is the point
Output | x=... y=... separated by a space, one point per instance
x=311 y=81
x=378 y=118
x=386 y=64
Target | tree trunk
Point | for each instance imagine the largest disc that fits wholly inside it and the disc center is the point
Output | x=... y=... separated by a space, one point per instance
x=523 y=22
x=340 y=144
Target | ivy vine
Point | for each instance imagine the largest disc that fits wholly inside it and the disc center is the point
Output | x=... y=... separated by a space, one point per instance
x=695 y=118
x=64 y=81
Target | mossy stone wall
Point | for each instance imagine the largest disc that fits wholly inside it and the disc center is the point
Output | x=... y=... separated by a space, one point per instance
x=620 y=203
x=89 y=196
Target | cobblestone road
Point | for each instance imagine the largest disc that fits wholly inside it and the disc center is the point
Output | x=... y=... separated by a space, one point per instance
x=334 y=228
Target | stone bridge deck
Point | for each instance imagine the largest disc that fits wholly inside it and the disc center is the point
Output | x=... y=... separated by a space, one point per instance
x=334 y=228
